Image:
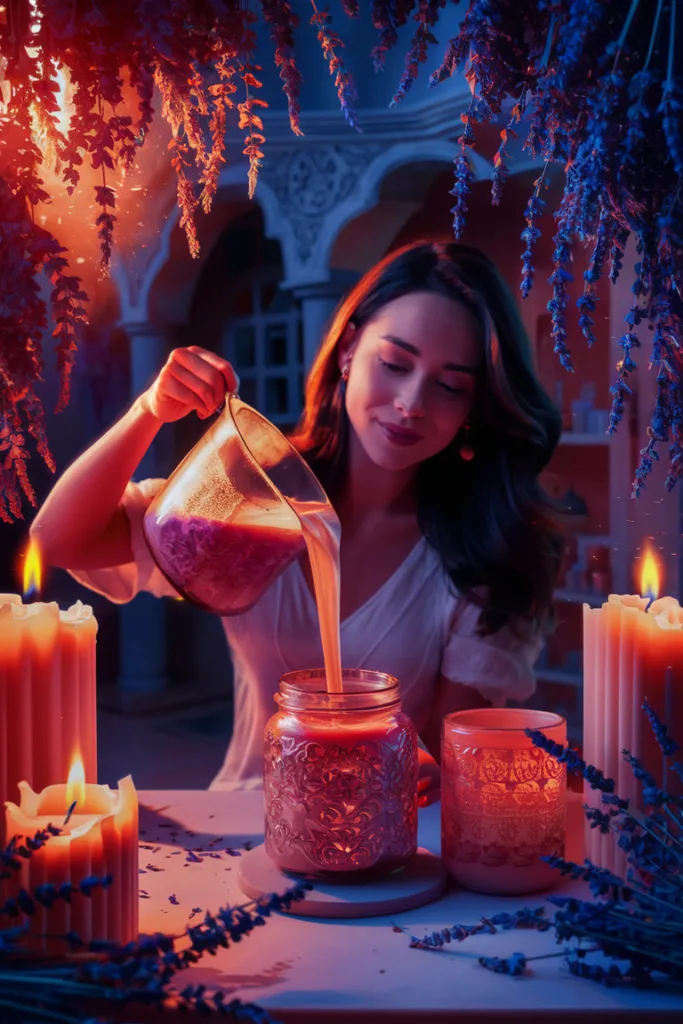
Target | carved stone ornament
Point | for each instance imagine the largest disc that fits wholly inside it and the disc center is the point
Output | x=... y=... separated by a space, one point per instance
x=310 y=182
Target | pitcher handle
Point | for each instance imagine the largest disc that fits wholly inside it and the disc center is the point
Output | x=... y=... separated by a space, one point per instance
x=234 y=393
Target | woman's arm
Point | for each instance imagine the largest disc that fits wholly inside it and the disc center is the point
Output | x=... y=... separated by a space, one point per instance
x=81 y=525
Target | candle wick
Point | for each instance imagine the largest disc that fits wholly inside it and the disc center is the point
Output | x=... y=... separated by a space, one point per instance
x=651 y=598
x=70 y=812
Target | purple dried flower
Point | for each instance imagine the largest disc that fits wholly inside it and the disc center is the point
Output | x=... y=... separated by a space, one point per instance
x=666 y=744
x=500 y=167
x=282 y=21
x=70 y=811
x=610 y=976
x=461 y=189
x=588 y=301
x=524 y=918
x=616 y=253
x=572 y=759
x=513 y=965
x=557 y=306
x=426 y=17
x=387 y=17
x=530 y=235
x=343 y=80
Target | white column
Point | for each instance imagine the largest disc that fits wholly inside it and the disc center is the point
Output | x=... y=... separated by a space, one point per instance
x=143 y=666
x=318 y=303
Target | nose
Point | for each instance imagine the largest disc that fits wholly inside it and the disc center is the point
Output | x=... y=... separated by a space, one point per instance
x=410 y=400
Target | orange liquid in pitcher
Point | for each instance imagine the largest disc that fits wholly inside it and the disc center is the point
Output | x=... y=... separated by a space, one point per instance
x=224 y=566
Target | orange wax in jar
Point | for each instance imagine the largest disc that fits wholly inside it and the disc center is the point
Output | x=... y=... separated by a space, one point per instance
x=340 y=776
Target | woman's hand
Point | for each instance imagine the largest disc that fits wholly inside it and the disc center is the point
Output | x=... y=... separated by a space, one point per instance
x=192 y=379
x=429 y=779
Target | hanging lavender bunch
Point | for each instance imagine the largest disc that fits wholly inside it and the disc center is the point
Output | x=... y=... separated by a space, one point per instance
x=603 y=98
x=637 y=921
x=387 y=17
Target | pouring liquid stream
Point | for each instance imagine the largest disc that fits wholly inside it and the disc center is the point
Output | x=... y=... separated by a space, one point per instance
x=322 y=533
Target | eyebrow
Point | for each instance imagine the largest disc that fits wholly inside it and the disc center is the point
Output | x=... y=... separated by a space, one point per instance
x=460 y=367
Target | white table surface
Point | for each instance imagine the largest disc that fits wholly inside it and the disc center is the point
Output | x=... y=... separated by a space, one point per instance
x=316 y=969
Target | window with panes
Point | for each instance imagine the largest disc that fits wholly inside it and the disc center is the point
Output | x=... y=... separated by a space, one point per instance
x=266 y=350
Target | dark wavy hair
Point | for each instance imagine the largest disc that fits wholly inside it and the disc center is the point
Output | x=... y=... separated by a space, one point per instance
x=495 y=528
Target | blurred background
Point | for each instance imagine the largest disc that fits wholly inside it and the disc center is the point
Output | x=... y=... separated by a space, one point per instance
x=270 y=272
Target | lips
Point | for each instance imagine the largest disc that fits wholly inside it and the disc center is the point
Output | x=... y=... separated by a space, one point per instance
x=399 y=435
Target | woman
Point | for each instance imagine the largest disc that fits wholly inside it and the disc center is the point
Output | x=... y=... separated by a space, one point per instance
x=428 y=428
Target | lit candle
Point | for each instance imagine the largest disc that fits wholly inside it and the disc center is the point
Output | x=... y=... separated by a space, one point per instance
x=47 y=688
x=633 y=651
x=100 y=838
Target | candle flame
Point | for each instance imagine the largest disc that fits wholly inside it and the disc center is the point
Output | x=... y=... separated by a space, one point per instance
x=75 y=786
x=649 y=574
x=33 y=569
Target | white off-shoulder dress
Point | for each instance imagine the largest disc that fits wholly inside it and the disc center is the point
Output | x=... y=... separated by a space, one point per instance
x=414 y=627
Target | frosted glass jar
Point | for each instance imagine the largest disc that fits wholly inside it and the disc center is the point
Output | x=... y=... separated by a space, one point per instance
x=503 y=800
x=340 y=776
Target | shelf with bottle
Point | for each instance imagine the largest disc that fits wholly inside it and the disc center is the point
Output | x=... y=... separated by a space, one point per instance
x=582 y=422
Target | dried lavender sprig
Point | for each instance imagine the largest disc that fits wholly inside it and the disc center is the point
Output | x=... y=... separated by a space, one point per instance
x=601 y=881
x=574 y=762
x=667 y=745
x=140 y=972
x=48 y=894
x=513 y=965
x=578 y=919
x=343 y=80
x=500 y=167
x=653 y=795
x=610 y=976
x=593 y=776
x=531 y=234
x=229 y=924
x=524 y=918
x=15 y=849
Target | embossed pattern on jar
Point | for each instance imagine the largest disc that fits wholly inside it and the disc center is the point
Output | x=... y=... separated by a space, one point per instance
x=503 y=800
x=340 y=776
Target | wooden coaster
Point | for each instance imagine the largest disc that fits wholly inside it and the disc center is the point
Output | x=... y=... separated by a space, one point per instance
x=423 y=880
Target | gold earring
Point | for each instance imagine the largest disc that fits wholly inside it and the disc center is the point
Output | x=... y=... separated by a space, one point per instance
x=345 y=372
x=466 y=449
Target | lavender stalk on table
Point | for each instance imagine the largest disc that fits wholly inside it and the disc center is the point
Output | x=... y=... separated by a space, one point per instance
x=49 y=989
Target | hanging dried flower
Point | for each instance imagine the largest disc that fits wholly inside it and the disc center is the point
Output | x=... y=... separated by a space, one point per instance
x=603 y=99
x=596 y=86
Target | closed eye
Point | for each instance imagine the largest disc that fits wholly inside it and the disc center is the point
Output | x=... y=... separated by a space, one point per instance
x=393 y=367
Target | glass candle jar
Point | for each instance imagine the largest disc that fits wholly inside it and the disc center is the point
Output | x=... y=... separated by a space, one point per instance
x=503 y=800
x=340 y=776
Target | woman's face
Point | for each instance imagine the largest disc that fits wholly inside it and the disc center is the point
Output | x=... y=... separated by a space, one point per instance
x=412 y=378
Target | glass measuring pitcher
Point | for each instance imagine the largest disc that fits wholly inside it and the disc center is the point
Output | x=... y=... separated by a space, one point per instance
x=224 y=527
